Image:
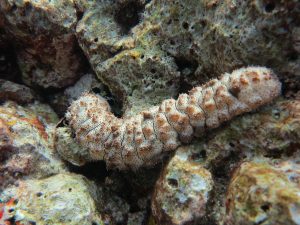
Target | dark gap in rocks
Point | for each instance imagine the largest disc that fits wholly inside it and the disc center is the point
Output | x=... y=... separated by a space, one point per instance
x=274 y=153
x=184 y=63
x=11 y=210
x=292 y=56
x=14 y=7
x=116 y=104
x=9 y=69
x=292 y=149
x=133 y=185
x=79 y=15
x=187 y=68
x=173 y=182
x=231 y=144
x=185 y=25
x=79 y=12
x=265 y=207
x=184 y=86
x=270 y=6
x=128 y=14
x=116 y=52
x=93 y=170
x=11 y=221
x=222 y=166
x=202 y=155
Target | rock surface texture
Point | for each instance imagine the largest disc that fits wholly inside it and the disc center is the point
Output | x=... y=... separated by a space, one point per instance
x=181 y=192
x=151 y=129
x=145 y=46
x=26 y=142
x=264 y=194
x=44 y=41
x=70 y=197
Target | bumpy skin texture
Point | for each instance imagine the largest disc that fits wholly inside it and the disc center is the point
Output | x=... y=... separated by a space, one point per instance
x=141 y=140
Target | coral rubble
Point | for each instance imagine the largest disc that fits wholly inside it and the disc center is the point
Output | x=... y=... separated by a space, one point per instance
x=139 y=47
x=264 y=194
x=26 y=142
x=60 y=199
x=182 y=192
x=44 y=41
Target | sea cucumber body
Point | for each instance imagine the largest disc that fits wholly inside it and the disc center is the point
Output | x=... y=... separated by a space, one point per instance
x=130 y=143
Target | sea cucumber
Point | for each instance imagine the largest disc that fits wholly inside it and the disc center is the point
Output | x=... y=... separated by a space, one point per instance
x=141 y=140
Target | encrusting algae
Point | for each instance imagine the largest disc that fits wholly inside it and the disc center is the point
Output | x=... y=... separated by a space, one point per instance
x=129 y=143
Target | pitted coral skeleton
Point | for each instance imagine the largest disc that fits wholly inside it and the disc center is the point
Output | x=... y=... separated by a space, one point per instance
x=130 y=143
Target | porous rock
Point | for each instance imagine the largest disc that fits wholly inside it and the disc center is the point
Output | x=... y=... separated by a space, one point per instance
x=137 y=48
x=132 y=72
x=182 y=192
x=60 y=199
x=26 y=142
x=16 y=92
x=261 y=193
x=42 y=33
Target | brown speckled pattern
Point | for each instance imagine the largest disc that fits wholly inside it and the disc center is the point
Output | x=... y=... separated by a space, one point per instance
x=140 y=140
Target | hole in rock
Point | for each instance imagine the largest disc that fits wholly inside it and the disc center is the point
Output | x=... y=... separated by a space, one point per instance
x=173 y=182
x=128 y=15
x=14 y=7
x=232 y=144
x=265 y=207
x=270 y=6
x=183 y=63
x=115 y=103
x=11 y=210
x=79 y=15
x=187 y=68
x=185 y=25
x=92 y=170
x=293 y=56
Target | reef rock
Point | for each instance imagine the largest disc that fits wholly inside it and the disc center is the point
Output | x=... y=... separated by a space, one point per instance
x=16 y=92
x=182 y=192
x=44 y=41
x=137 y=48
x=61 y=199
x=260 y=193
x=26 y=142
